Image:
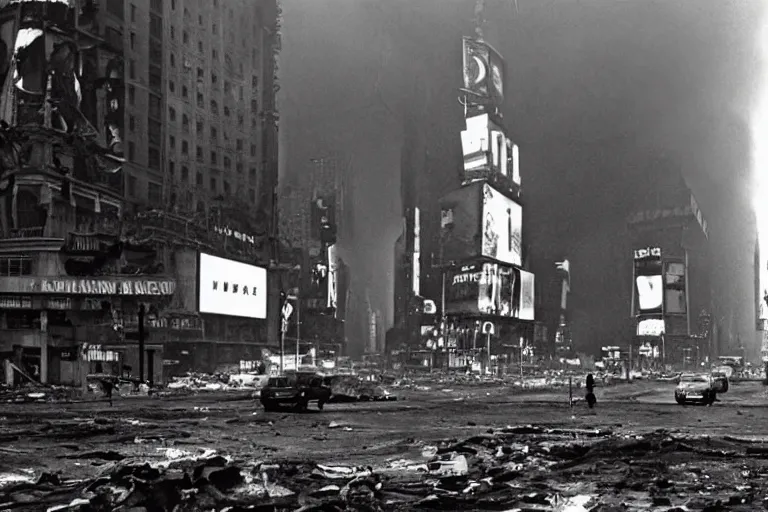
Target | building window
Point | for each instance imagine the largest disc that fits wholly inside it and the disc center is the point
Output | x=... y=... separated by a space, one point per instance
x=199 y=127
x=214 y=29
x=173 y=5
x=173 y=32
x=171 y=168
x=200 y=46
x=226 y=111
x=131 y=95
x=185 y=37
x=133 y=13
x=200 y=73
x=15 y=266
x=155 y=78
x=253 y=149
x=131 y=151
x=214 y=107
x=254 y=107
x=226 y=187
x=200 y=100
x=199 y=153
x=185 y=173
x=214 y=158
x=154 y=193
x=239 y=144
x=199 y=20
x=239 y=167
x=171 y=86
x=133 y=40
x=132 y=69
x=252 y=194
x=227 y=163
x=252 y=172
x=185 y=123
x=214 y=55
x=184 y=91
x=199 y=179
x=154 y=132
x=132 y=186
x=173 y=61
x=240 y=119
x=213 y=184
x=172 y=142
x=172 y=114
x=184 y=147
x=214 y=78
x=153 y=159
x=214 y=133
x=132 y=123
x=227 y=87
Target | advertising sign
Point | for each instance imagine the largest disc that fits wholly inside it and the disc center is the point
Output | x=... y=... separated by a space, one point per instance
x=502 y=227
x=231 y=288
x=650 y=327
x=649 y=282
x=479 y=221
x=490 y=289
x=483 y=70
x=674 y=287
x=332 y=277
x=488 y=153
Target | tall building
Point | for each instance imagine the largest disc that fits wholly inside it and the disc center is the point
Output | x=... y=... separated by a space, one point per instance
x=670 y=274
x=127 y=91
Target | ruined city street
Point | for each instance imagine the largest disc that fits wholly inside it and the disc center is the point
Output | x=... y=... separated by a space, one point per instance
x=460 y=448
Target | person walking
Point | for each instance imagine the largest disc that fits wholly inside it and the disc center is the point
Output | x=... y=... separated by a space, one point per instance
x=591 y=399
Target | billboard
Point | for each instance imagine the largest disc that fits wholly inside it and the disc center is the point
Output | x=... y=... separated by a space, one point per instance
x=488 y=153
x=490 y=289
x=761 y=286
x=650 y=327
x=332 y=293
x=227 y=287
x=675 y=298
x=479 y=221
x=316 y=292
x=483 y=70
x=649 y=282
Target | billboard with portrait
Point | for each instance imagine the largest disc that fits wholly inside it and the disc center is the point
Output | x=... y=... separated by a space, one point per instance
x=227 y=287
x=479 y=221
x=649 y=281
x=490 y=289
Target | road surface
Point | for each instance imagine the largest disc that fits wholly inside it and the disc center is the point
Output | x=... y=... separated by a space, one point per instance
x=721 y=445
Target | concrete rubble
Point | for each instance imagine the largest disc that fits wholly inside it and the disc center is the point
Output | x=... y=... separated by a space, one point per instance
x=523 y=468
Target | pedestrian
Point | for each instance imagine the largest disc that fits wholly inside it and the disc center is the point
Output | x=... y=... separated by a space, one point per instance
x=591 y=399
x=108 y=386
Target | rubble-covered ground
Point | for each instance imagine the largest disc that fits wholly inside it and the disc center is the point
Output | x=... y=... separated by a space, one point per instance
x=449 y=447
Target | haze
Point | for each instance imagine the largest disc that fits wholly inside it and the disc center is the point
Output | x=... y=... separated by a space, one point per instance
x=600 y=96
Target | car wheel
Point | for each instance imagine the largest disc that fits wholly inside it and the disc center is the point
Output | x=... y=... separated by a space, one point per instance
x=725 y=387
x=679 y=399
x=320 y=404
x=301 y=405
x=712 y=398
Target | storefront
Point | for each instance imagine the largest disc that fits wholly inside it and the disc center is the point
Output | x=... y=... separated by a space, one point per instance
x=57 y=329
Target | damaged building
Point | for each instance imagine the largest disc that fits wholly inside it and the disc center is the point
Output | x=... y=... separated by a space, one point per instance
x=87 y=269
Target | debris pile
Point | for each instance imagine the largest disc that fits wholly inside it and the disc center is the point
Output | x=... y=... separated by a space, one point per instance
x=522 y=468
x=201 y=382
x=36 y=393
x=351 y=388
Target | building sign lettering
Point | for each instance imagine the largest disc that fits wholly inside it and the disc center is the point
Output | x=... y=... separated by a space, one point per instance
x=649 y=252
x=242 y=237
x=108 y=287
x=15 y=302
x=59 y=303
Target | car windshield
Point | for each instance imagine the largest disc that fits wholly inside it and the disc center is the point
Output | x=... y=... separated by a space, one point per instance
x=694 y=378
x=278 y=382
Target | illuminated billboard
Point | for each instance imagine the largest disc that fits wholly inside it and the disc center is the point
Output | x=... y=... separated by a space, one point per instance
x=490 y=289
x=649 y=282
x=332 y=293
x=479 y=221
x=650 y=327
x=227 y=287
x=488 y=153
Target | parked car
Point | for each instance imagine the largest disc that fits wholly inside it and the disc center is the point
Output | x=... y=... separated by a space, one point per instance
x=295 y=390
x=696 y=388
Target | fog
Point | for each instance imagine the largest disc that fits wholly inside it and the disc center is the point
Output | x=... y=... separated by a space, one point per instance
x=599 y=96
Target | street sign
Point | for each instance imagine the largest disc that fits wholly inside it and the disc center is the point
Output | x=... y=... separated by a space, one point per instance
x=287 y=310
x=489 y=328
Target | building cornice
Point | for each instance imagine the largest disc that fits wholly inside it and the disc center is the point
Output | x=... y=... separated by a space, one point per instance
x=31 y=244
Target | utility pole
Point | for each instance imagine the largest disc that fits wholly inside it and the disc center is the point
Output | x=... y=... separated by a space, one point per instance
x=141 y=342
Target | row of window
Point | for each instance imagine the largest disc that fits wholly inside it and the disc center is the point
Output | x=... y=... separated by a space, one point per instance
x=154 y=190
x=213 y=184
x=214 y=105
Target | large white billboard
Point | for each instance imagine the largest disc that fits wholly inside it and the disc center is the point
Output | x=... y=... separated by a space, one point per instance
x=502 y=227
x=333 y=277
x=231 y=288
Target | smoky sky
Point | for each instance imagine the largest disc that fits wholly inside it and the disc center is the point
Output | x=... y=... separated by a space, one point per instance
x=600 y=96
